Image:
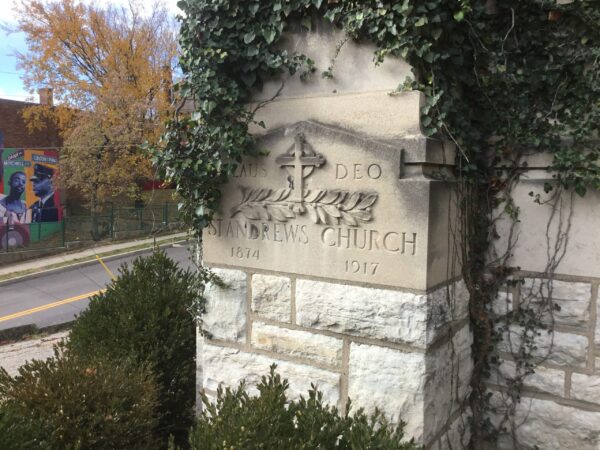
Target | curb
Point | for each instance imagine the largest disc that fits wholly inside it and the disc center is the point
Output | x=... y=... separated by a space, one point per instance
x=42 y=273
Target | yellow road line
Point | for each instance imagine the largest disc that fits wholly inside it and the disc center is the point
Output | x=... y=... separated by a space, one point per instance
x=49 y=305
x=112 y=275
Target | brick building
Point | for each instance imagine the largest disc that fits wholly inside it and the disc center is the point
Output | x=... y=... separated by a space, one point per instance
x=14 y=130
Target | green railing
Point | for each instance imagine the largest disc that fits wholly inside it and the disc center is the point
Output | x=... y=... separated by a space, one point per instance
x=113 y=223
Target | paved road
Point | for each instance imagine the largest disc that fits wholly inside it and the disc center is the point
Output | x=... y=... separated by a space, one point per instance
x=68 y=285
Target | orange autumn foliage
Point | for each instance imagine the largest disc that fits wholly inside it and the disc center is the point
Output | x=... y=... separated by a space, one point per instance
x=110 y=70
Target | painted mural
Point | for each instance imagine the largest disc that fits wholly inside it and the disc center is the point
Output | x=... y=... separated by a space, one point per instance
x=29 y=202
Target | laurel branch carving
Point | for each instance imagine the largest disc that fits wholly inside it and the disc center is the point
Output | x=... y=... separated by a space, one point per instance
x=328 y=207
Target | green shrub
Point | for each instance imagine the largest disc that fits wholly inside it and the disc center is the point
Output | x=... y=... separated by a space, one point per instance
x=269 y=421
x=68 y=402
x=145 y=315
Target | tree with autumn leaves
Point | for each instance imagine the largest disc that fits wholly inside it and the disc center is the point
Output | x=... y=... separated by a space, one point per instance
x=110 y=69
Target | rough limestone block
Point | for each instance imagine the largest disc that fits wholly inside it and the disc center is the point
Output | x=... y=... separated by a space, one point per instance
x=597 y=337
x=382 y=314
x=543 y=379
x=225 y=316
x=458 y=435
x=585 y=387
x=503 y=303
x=448 y=375
x=564 y=349
x=302 y=344
x=548 y=425
x=375 y=313
x=230 y=366
x=572 y=298
x=390 y=380
x=445 y=305
x=199 y=373
x=272 y=297
x=462 y=342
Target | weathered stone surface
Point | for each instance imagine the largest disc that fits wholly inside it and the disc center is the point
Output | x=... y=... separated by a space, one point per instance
x=582 y=256
x=390 y=380
x=458 y=435
x=543 y=424
x=13 y=356
x=333 y=204
x=585 y=387
x=303 y=344
x=394 y=316
x=503 y=303
x=199 y=365
x=444 y=305
x=375 y=313
x=225 y=316
x=597 y=334
x=572 y=298
x=543 y=379
x=230 y=366
x=448 y=374
x=564 y=349
x=355 y=69
x=272 y=297
x=462 y=342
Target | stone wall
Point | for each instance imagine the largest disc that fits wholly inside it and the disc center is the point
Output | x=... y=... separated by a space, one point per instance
x=336 y=250
x=406 y=353
x=558 y=253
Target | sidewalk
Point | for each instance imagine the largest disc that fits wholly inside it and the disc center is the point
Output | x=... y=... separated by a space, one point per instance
x=68 y=259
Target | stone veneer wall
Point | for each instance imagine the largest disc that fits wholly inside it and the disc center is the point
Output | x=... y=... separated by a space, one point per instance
x=406 y=353
x=560 y=404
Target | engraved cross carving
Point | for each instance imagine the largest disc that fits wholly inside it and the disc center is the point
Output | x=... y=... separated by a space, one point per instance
x=303 y=160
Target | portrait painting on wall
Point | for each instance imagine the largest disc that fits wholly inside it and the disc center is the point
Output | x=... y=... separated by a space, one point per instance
x=28 y=195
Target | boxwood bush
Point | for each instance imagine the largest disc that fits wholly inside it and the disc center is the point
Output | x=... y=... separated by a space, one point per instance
x=146 y=316
x=68 y=402
x=237 y=421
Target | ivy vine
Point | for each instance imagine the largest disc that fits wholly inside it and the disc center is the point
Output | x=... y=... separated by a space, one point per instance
x=502 y=80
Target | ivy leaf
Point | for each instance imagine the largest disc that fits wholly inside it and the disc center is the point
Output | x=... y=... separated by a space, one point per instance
x=459 y=16
x=249 y=78
x=269 y=35
x=306 y=22
x=249 y=37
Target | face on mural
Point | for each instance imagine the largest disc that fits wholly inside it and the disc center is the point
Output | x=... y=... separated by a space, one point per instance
x=42 y=186
x=17 y=184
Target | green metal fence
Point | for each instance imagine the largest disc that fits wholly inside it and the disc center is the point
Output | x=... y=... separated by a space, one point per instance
x=114 y=223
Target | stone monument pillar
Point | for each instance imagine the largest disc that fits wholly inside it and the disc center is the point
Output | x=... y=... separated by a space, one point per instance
x=337 y=251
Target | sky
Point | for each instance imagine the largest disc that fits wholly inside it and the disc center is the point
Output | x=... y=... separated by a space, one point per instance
x=11 y=86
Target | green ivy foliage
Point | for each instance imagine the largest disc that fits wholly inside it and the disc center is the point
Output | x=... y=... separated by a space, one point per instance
x=503 y=79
